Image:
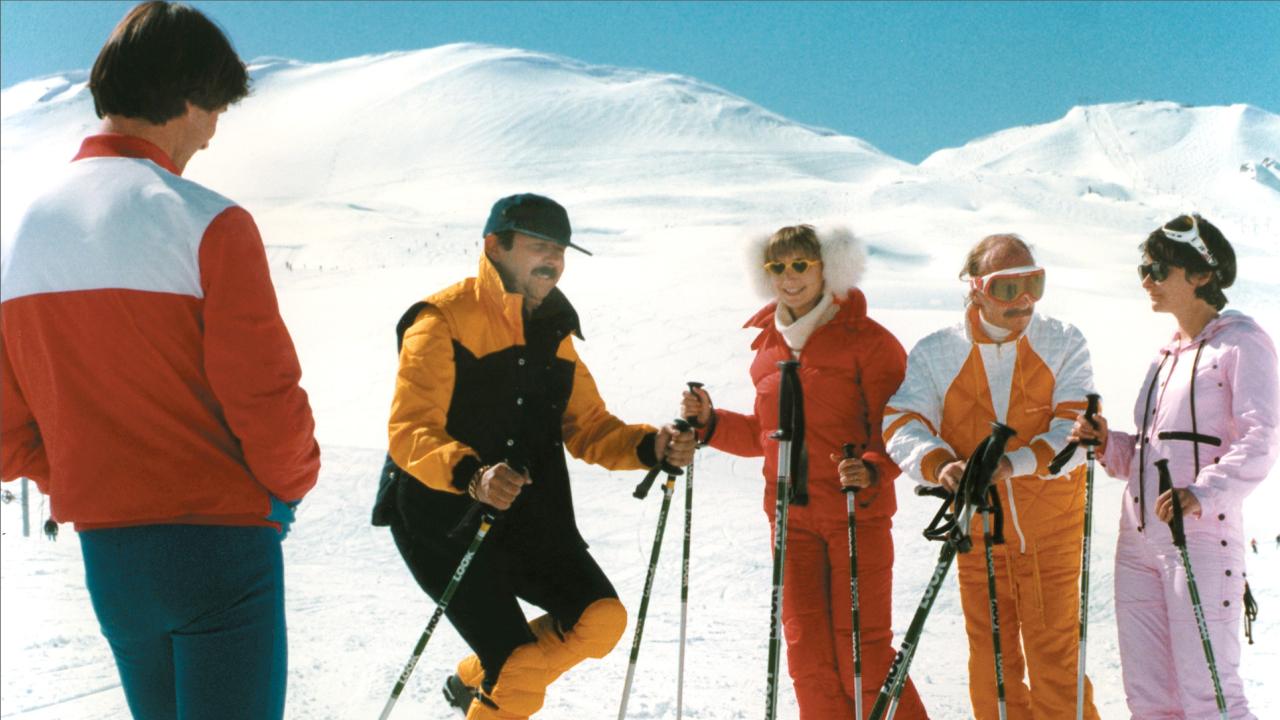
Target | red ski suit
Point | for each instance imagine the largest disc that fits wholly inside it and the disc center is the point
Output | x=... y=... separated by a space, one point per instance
x=849 y=368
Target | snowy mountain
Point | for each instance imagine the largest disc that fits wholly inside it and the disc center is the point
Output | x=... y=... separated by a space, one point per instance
x=371 y=178
x=1203 y=157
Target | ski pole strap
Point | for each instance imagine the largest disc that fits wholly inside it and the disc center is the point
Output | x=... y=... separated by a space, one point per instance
x=940 y=526
x=1250 y=612
x=1064 y=456
x=1175 y=521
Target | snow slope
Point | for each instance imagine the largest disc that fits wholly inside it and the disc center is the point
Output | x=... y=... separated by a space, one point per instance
x=371 y=178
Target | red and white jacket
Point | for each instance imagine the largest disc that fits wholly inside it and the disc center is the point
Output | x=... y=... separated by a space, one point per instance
x=145 y=373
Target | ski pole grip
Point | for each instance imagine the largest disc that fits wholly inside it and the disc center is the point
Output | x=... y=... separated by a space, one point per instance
x=1000 y=435
x=849 y=453
x=789 y=387
x=1175 y=521
x=694 y=387
x=933 y=491
x=1090 y=410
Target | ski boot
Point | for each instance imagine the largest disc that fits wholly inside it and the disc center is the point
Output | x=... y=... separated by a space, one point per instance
x=458 y=694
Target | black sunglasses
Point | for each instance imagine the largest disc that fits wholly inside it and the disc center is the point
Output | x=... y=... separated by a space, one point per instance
x=777 y=268
x=1157 y=270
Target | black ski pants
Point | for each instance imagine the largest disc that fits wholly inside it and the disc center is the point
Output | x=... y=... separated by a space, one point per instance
x=484 y=610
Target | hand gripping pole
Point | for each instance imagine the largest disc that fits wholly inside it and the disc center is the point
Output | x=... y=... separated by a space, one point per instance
x=950 y=525
x=850 y=498
x=790 y=417
x=487 y=519
x=692 y=420
x=641 y=491
x=1180 y=541
x=1090 y=410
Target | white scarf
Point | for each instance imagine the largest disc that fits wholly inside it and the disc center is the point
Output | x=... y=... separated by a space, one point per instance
x=797 y=333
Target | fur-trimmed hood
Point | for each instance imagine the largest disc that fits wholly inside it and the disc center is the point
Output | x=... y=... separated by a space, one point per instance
x=843 y=261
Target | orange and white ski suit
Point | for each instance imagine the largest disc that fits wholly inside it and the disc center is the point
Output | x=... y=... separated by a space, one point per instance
x=958 y=381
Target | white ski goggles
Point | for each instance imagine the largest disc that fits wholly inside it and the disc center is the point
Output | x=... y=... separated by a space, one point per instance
x=1006 y=286
x=1189 y=236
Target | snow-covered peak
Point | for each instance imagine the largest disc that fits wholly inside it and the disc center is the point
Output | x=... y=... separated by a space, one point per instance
x=31 y=94
x=1151 y=148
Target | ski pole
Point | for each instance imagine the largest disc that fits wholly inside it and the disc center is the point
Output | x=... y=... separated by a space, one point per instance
x=641 y=491
x=987 y=542
x=1180 y=541
x=486 y=522
x=1090 y=445
x=953 y=530
x=850 y=499
x=684 y=567
x=789 y=405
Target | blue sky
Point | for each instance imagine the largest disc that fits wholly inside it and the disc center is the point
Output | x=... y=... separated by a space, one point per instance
x=908 y=77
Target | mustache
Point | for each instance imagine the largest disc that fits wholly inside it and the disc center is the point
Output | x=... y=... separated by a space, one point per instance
x=546 y=272
x=1017 y=313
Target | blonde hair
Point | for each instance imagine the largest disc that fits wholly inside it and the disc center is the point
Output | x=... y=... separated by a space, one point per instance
x=799 y=240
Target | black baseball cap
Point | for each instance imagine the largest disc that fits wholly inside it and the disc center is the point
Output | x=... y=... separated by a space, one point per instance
x=532 y=215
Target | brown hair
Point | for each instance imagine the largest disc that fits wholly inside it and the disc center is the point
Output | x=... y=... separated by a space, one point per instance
x=161 y=56
x=973 y=262
x=793 y=240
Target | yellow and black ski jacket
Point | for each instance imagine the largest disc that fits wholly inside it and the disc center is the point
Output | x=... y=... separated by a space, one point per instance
x=480 y=384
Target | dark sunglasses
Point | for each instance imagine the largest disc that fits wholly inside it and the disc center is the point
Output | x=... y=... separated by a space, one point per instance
x=1157 y=270
x=777 y=268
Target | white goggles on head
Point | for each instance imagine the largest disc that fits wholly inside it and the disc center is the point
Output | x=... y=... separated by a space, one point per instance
x=1190 y=237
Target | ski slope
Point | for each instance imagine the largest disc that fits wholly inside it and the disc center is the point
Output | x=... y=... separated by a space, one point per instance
x=371 y=178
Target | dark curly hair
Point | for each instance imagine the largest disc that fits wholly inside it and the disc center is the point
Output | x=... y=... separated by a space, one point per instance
x=161 y=56
x=1160 y=248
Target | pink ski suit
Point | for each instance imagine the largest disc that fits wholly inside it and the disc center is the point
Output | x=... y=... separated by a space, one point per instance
x=1219 y=433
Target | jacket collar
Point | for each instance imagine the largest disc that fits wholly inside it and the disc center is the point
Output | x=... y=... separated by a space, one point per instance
x=853 y=307
x=1225 y=319
x=489 y=290
x=128 y=146
x=973 y=325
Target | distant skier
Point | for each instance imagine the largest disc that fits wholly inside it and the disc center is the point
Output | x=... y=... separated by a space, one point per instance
x=1007 y=363
x=850 y=365
x=489 y=395
x=1209 y=405
x=1254 y=544
x=150 y=387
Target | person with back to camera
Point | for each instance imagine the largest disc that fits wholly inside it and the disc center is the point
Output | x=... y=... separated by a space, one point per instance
x=1209 y=405
x=150 y=386
x=849 y=366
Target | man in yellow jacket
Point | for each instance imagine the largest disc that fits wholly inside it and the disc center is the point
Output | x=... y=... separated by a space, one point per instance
x=489 y=394
x=1005 y=362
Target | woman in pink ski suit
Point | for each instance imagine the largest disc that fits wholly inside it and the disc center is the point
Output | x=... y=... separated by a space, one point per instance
x=1209 y=405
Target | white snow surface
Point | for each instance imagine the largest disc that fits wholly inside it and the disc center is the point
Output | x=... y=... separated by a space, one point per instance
x=371 y=179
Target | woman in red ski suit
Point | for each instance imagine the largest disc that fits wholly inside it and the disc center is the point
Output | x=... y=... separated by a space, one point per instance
x=849 y=367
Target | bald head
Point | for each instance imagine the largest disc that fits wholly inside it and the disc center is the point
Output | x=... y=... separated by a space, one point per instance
x=997 y=252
